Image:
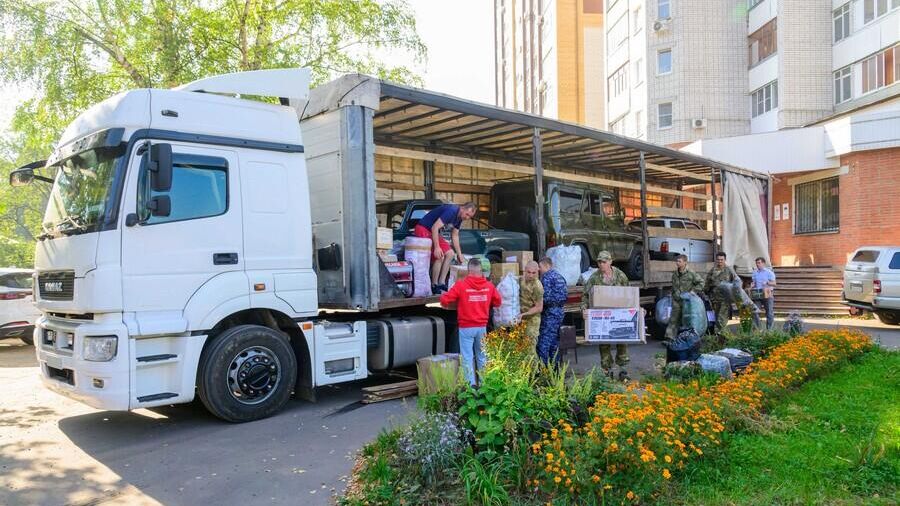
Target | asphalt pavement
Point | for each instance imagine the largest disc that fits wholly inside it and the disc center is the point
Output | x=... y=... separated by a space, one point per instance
x=55 y=451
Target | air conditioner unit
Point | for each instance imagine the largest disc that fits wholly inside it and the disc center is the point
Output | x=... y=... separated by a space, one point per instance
x=660 y=24
x=698 y=122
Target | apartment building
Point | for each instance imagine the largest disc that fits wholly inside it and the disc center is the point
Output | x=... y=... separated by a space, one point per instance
x=548 y=57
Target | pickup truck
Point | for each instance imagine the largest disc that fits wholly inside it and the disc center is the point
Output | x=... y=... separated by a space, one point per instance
x=403 y=215
x=872 y=282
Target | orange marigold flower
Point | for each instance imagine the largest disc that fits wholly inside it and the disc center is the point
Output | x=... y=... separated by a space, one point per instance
x=666 y=474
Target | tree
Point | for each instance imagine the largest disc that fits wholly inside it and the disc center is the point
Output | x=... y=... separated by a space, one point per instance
x=74 y=53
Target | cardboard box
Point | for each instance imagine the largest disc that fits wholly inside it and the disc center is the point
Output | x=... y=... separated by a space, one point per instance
x=384 y=238
x=518 y=257
x=614 y=326
x=386 y=256
x=615 y=296
x=498 y=271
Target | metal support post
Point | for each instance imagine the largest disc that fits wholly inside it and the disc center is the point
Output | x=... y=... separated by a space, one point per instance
x=428 y=166
x=715 y=213
x=539 y=193
x=645 y=249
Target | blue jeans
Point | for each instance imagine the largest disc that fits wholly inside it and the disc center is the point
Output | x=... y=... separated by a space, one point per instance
x=769 y=306
x=471 y=350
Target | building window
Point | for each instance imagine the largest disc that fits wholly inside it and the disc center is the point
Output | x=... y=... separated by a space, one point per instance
x=618 y=82
x=880 y=70
x=763 y=42
x=664 y=62
x=874 y=9
x=753 y=3
x=817 y=206
x=842 y=22
x=639 y=71
x=843 y=87
x=618 y=33
x=664 y=115
x=663 y=9
x=764 y=99
x=638 y=20
x=638 y=124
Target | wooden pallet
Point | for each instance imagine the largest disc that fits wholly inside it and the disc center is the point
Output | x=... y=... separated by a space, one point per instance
x=390 y=391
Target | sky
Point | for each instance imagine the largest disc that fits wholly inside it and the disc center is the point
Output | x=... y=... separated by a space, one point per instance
x=459 y=36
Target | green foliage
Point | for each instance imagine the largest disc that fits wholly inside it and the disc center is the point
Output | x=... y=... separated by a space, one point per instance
x=440 y=386
x=74 y=54
x=496 y=409
x=482 y=480
x=758 y=343
x=836 y=441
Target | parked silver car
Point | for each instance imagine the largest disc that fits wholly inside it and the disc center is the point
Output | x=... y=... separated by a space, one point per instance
x=872 y=282
x=667 y=248
x=17 y=310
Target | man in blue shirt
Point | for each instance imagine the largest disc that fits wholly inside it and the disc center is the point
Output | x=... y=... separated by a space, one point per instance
x=556 y=292
x=429 y=227
x=762 y=292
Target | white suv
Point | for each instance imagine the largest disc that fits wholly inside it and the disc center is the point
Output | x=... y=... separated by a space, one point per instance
x=872 y=282
x=17 y=310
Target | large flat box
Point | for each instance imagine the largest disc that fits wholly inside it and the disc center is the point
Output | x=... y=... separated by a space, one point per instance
x=615 y=296
x=614 y=326
x=518 y=257
x=384 y=238
x=498 y=271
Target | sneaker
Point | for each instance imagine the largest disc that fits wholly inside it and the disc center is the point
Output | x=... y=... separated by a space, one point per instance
x=623 y=375
x=438 y=289
x=609 y=374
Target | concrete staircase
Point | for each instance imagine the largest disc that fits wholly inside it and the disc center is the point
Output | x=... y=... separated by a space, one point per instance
x=813 y=290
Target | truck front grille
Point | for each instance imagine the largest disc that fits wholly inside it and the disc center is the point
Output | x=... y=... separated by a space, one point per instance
x=57 y=285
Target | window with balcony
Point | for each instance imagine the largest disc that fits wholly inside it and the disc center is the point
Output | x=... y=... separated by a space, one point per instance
x=637 y=19
x=817 y=205
x=664 y=115
x=764 y=99
x=763 y=42
x=664 y=61
x=753 y=3
x=618 y=82
x=843 y=85
x=842 y=22
x=663 y=9
x=639 y=71
x=874 y=9
x=618 y=33
x=638 y=124
x=880 y=70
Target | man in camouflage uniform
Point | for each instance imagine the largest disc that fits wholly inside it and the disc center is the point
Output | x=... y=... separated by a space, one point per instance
x=607 y=275
x=556 y=292
x=684 y=280
x=531 y=300
x=720 y=273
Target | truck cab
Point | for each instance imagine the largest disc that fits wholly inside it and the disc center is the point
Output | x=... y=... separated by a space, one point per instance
x=176 y=254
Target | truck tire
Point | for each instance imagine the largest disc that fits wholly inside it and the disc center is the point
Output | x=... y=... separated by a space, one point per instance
x=634 y=268
x=889 y=317
x=247 y=373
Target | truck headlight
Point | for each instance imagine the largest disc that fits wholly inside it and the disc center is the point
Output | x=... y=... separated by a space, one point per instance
x=100 y=348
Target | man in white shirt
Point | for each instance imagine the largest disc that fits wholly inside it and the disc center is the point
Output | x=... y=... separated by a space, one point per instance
x=762 y=292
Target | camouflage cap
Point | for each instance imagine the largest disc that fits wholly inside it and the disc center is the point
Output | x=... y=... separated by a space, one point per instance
x=604 y=256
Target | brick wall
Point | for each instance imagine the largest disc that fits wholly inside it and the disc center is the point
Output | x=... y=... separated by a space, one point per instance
x=869 y=212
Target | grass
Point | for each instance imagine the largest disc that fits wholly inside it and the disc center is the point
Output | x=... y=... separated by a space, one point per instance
x=833 y=441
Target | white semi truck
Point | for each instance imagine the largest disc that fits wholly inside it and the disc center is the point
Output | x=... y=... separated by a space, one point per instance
x=197 y=243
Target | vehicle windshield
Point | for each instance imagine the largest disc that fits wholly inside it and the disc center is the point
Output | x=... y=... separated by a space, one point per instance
x=78 y=198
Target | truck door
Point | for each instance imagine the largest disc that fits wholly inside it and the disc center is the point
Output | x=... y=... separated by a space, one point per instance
x=166 y=259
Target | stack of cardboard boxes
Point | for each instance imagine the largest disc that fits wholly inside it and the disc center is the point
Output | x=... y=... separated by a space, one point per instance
x=615 y=316
x=384 y=243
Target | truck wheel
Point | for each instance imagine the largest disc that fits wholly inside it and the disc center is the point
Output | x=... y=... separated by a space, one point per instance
x=247 y=373
x=634 y=269
x=889 y=317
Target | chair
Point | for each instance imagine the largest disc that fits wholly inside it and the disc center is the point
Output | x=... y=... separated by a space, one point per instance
x=567 y=341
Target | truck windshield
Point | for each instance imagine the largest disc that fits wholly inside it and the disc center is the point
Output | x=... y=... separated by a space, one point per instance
x=78 y=198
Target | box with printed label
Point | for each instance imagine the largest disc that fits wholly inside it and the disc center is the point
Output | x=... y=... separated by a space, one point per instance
x=384 y=238
x=518 y=257
x=498 y=271
x=614 y=326
x=615 y=296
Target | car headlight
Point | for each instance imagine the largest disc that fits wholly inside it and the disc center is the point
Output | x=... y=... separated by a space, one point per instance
x=100 y=348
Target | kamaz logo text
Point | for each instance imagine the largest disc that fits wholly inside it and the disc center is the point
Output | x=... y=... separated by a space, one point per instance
x=53 y=286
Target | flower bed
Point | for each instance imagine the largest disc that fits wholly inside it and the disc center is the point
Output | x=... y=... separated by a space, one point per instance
x=542 y=436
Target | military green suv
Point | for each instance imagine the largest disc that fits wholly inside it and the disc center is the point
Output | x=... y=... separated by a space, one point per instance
x=586 y=215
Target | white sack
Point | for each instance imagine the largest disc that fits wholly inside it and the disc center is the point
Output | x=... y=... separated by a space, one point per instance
x=418 y=253
x=567 y=260
x=508 y=312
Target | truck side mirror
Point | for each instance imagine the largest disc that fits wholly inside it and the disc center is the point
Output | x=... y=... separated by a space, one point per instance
x=25 y=175
x=160 y=205
x=160 y=168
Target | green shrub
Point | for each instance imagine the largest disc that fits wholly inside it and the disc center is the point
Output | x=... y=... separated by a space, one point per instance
x=431 y=444
x=759 y=342
x=482 y=480
x=495 y=410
